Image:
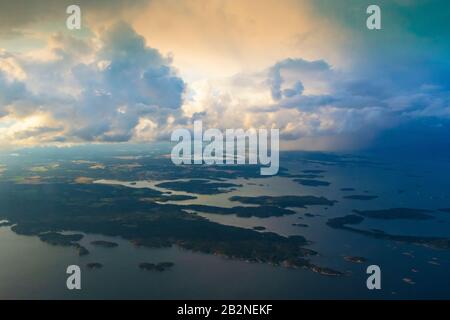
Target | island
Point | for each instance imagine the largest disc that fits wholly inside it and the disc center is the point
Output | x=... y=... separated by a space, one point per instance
x=174 y=197
x=313 y=171
x=355 y=259
x=285 y=201
x=326 y=271
x=360 y=197
x=342 y=222
x=312 y=182
x=58 y=239
x=345 y=223
x=396 y=213
x=82 y=251
x=94 y=265
x=104 y=244
x=162 y=266
x=199 y=186
x=259 y=228
x=240 y=211
x=303 y=225
x=304 y=176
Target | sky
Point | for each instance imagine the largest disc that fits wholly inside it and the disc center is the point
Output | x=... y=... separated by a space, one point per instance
x=139 y=69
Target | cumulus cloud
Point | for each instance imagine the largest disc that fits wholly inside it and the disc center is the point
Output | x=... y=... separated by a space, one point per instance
x=128 y=80
x=318 y=107
x=94 y=92
x=295 y=71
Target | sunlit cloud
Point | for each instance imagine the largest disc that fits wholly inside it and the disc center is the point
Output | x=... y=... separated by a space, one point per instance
x=140 y=69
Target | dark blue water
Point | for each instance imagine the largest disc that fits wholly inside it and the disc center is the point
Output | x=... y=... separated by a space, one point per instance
x=33 y=269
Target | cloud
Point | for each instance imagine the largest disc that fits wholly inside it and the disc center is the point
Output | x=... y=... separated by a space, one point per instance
x=136 y=82
x=95 y=89
x=12 y=90
x=317 y=106
x=231 y=64
x=217 y=38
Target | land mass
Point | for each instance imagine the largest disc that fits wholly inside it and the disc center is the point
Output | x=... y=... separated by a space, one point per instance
x=162 y=266
x=199 y=186
x=242 y=212
x=303 y=225
x=104 y=244
x=259 y=228
x=355 y=259
x=313 y=171
x=58 y=239
x=285 y=201
x=45 y=210
x=345 y=222
x=312 y=182
x=396 y=213
x=94 y=265
x=360 y=197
